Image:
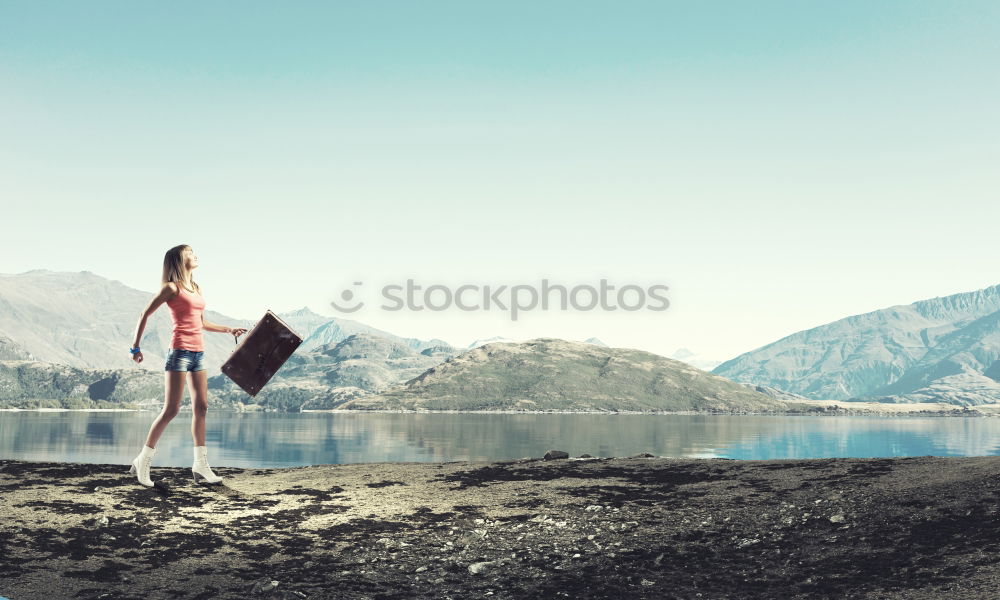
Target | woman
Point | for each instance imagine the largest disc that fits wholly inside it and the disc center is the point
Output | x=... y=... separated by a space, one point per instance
x=186 y=354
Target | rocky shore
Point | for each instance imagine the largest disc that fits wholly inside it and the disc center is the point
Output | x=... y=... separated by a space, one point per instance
x=639 y=527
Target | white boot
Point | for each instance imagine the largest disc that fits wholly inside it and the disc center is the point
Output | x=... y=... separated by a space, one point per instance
x=200 y=469
x=141 y=465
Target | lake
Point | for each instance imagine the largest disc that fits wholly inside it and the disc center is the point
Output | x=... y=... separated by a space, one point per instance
x=284 y=440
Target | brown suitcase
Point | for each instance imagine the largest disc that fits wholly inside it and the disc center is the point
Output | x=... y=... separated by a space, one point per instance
x=261 y=353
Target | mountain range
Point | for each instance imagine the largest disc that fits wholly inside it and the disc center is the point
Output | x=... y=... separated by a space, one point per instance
x=63 y=335
x=945 y=349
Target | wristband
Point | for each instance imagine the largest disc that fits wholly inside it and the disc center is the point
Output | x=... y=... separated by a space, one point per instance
x=134 y=350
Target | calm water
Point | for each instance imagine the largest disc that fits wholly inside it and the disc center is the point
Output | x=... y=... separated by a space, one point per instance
x=281 y=440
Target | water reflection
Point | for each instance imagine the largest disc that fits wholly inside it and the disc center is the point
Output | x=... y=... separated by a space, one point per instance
x=873 y=436
x=279 y=440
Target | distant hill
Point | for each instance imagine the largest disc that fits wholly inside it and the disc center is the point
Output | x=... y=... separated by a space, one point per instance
x=10 y=350
x=553 y=374
x=492 y=340
x=694 y=359
x=33 y=384
x=499 y=338
x=944 y=349
x=334 y=331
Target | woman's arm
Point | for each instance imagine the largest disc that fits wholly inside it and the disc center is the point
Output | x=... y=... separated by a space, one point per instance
x=165 y=293
x=210 y=326
x=215 y=327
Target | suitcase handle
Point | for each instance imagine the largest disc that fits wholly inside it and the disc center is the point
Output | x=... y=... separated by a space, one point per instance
x=236 y=337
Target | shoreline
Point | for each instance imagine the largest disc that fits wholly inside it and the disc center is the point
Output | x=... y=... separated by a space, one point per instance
x=888 y=528
x=70 y=409
x=821 y=408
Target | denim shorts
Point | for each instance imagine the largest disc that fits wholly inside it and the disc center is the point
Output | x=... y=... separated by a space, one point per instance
x=179 y=359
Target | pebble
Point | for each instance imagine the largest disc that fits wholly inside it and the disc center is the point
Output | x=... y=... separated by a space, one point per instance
x=480 y=567
x=263 y=586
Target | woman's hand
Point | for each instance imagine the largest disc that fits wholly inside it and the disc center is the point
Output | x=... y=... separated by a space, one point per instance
x=137 y=357
x=237 y=331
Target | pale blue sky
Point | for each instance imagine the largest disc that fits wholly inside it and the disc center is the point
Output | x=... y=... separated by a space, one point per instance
x=778 y=164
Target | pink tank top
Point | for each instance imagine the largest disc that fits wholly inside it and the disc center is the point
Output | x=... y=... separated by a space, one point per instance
x=185 y=312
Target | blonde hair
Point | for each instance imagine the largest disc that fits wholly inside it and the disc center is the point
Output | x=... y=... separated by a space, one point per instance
x=174 y=269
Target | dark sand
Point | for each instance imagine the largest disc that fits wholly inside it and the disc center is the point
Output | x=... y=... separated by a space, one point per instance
x=612 y=528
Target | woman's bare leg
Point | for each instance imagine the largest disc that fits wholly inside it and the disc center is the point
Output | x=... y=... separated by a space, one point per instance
x=198 y=384
x=172 y=396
